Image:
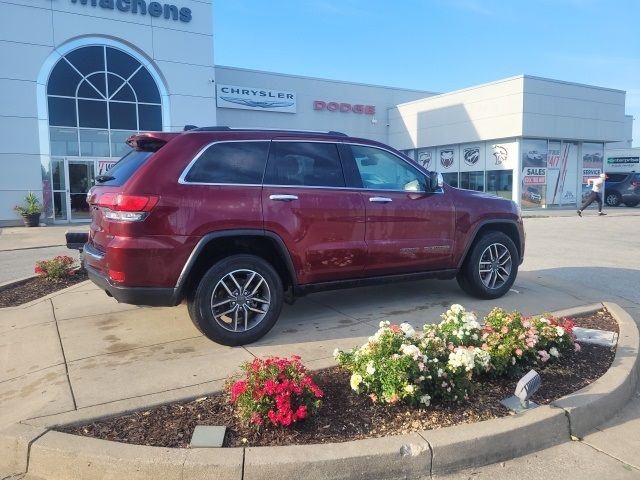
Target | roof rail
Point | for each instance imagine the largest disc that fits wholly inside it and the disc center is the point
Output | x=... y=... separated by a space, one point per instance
x=221 y=128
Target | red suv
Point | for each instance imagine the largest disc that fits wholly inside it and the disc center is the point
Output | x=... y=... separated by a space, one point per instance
x=238 y=221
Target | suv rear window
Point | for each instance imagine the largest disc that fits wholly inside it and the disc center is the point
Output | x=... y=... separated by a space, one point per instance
x=123 y=169
x=230 y=162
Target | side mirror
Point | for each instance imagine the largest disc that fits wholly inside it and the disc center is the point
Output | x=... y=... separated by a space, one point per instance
x=435 y=181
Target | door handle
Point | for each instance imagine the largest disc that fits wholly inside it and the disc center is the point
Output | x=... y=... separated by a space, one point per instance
x=283 y=198
x=380 y=199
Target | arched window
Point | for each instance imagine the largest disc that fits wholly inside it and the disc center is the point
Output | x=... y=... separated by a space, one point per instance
x=98 y=96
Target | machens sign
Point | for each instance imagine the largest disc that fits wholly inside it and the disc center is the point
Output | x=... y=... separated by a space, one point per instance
x=141 y=7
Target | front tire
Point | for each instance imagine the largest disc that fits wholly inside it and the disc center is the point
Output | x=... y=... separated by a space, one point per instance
x=613 y=199
x=237 y=301
x=490 y=268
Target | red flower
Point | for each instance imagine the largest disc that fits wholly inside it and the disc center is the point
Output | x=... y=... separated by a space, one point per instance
x=395 y=328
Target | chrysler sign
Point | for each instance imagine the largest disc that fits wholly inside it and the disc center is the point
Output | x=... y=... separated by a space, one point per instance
x=253 y=98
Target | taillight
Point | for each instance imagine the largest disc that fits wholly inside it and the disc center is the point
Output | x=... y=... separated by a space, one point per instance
x=127 y=208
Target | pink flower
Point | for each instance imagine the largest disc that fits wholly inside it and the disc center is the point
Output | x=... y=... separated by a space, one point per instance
x=544 y=356
x=577 y=347
x=421 y=366
x=519 y=352
x=505 y=329
x=485 y=347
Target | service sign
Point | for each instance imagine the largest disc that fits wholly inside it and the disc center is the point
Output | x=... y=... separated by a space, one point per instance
x=588 y=173
x=256 y=98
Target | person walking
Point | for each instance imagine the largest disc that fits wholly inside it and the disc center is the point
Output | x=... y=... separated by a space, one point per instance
x=596 y=193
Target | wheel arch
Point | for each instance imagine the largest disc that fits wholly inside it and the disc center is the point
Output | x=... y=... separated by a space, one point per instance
x=508 y=227
x=214 y=246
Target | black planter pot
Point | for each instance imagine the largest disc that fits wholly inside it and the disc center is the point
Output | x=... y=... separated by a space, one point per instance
x=31 y=220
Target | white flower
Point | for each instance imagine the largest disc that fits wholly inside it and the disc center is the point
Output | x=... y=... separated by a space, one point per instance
x=370 y=368
x=409 y=389
x=474 y=336
x=482 y=358
x=560 y=331
x=440 y=372
x=513 y=360
x=383 y=324
x=461 y=357
x=336 y=352
x=356 y=380
x=456 y=309
x=426 y=400
x=407 y=330
x=410 y=351
x=553 y=351
x=544 y=320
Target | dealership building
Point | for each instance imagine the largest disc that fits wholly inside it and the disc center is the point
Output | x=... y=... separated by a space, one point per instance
x=79 y=76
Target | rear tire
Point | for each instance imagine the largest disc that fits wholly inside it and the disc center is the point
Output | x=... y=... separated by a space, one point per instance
x=491 y=267
x=237 y=301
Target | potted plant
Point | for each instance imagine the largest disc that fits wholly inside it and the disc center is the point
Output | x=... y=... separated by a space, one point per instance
x=30 y=210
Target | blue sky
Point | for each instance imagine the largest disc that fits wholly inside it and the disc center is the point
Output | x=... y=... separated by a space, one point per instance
x=437 y=45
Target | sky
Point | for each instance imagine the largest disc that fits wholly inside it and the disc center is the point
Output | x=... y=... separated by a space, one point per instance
x=437 y=45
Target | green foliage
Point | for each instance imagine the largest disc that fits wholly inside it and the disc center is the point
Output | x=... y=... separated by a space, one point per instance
x=31 y=205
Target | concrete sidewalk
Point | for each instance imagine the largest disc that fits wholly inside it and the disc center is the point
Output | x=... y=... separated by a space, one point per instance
x=20 y=238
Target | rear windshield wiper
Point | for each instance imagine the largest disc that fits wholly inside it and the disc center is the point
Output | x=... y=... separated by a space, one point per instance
x=104 y=178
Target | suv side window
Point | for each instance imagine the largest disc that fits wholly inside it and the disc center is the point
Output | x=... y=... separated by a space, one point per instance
x=230 y=162
x=312 y=164
x=380 y=170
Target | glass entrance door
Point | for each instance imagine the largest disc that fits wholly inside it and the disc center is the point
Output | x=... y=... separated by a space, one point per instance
x=81 y=179
x=71 y=179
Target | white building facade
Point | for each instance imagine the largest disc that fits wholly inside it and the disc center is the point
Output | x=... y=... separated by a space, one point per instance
x=77 y=77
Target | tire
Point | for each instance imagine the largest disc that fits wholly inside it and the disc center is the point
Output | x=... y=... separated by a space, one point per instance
x=229 y=315
x=632 y=203
x=496 y=281
x=613 y=199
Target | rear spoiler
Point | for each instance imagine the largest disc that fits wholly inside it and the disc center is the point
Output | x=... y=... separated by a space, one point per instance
x=150 y=142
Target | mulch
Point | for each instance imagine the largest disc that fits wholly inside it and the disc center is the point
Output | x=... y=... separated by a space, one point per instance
x=600 y=320
x=345 y=415
x=37 y=287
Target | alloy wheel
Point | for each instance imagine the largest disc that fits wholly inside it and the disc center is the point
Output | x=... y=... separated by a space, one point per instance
x=240 y=300
x=495 y=266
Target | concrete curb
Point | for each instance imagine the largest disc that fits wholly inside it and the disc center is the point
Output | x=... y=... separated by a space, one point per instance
x=59 y=456
x=596 y=403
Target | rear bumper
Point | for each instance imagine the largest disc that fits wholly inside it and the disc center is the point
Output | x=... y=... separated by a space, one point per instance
x=148 y=296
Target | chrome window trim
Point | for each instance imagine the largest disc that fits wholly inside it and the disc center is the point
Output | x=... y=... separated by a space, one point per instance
x=182 y=179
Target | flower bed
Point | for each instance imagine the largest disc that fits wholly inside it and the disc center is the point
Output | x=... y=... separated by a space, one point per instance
x=347 y=414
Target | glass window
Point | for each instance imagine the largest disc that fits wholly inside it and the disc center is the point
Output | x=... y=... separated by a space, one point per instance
x=63 y=80
x=57 y=174
x=472 y=181
x=230 y=162
x=88 y=90
x=62 y=112
x=451 y=179
x=123 y=116
x=87 y=59
x=381 y=170
x=305 y=163
x=124 y=168
x=64 y=141
x=150 y=117
x=119 y=146
x=121 y=63
x=500 y=183
x=145 y=87
x=94 y=143
x=92 y=114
